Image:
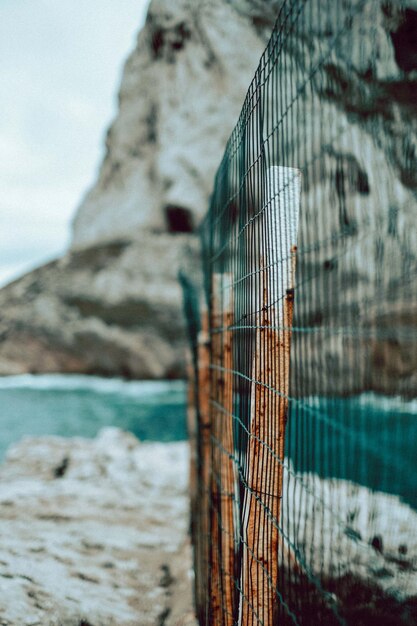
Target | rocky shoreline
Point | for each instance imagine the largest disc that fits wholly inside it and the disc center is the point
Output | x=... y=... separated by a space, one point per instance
x=94 y=533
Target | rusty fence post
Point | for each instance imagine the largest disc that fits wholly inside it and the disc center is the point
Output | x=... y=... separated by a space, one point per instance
x=203 y=471
x=224 y=485
x=269 y=401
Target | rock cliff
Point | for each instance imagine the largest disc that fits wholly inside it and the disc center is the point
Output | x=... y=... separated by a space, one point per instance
x=112 y=305
x=182 y=90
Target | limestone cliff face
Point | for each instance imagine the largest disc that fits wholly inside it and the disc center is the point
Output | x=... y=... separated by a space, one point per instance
x=112 y=305
x=111 y=309
x=182 y=90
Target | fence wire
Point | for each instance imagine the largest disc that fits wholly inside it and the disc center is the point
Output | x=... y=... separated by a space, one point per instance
x=302 y=407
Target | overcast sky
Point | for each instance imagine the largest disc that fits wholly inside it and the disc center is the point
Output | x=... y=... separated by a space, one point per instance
x=60 y=68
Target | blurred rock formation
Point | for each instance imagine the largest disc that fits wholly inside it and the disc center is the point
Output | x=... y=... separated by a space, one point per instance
x=112 y=305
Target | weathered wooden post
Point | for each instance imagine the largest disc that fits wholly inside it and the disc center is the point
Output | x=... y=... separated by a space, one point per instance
x=269 y=400
x=204 y=470
x=224 y=484
x=192 y=434
x=228 y=470
x=192 y=426
x=216 y=599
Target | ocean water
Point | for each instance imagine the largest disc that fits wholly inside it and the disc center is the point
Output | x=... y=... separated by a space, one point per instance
x=368 y=439
x=72 y=405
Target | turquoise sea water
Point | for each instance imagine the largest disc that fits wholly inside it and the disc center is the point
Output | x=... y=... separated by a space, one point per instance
x=72 y=406
x=368 y=439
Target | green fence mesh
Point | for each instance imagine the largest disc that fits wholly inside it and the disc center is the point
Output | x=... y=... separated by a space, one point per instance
x=302 y=408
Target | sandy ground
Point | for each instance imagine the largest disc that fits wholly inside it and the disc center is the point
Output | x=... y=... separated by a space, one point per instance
x=94 y=533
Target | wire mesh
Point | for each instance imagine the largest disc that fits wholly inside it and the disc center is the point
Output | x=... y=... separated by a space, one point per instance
x=303 y=412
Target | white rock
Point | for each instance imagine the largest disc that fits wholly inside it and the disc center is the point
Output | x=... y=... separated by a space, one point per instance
x=181 y=92
x=87 y=526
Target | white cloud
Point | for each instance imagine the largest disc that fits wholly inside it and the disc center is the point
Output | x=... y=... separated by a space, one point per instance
x=60 y=71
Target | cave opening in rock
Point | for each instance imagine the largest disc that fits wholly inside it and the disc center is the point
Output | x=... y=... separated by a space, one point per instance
x=404 y=40
x=178 y=219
